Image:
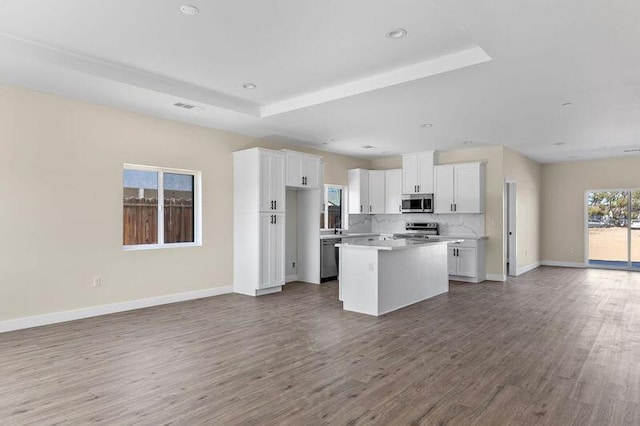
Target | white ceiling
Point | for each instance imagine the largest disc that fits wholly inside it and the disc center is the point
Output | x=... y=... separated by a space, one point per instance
x=494 y=72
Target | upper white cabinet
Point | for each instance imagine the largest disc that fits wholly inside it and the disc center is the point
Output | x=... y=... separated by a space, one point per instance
x=358 y=191
x=459 y=188
x=376 y=191
x=417 y=173
x=303 y=170
x=272 y=189
x=366 y=191
x=393 y=191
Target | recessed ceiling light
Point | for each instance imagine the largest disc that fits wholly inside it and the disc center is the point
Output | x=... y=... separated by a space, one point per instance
x=249 y=86
x=325 y=143
x=396 y=33
x=467 y=142
x=567 y=104
x=426 y=125
x=189 y=9
x=559 y=143
x=368 y=146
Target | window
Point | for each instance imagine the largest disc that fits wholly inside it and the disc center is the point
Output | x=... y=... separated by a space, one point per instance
x=161 y=207
x=333 y=215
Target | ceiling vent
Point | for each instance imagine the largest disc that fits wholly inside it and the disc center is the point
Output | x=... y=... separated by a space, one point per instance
x=187 y=106
x=368 y=146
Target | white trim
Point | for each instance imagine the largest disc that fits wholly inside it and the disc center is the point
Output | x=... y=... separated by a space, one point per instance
x=496 y=277
x=562 y=264
x=527 y=268
x=94 y=311
x=291 y=278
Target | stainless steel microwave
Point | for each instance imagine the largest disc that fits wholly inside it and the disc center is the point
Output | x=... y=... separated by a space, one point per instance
x=418 y=203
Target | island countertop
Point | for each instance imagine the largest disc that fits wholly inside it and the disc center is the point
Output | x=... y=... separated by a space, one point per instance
x=395 y=244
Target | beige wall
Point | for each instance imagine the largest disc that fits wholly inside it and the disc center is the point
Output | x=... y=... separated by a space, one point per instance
x=563 y=204
x=527 y=175
x=60 y=185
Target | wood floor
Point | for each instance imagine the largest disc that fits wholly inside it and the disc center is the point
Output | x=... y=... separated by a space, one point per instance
x=554 y=346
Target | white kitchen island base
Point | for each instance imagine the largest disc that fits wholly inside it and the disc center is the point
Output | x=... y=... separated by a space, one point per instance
x=382 y=276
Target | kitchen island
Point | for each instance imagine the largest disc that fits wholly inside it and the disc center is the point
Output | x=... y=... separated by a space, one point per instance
x=377 y=277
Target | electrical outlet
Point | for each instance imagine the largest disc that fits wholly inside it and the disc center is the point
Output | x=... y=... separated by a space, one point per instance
x=293 y=264
x=97 y=281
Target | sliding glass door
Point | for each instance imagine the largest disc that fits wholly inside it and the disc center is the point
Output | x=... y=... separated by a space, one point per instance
x=613 y=222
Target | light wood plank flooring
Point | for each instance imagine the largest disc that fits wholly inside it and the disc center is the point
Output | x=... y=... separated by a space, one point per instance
x=554 y=346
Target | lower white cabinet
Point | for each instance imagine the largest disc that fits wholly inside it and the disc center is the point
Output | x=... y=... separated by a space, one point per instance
x=272 y=250
x=467 y=261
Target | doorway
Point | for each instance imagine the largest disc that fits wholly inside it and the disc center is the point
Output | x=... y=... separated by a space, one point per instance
x=612 y=225
x=511 y=204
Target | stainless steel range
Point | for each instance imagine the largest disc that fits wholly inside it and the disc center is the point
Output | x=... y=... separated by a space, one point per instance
x=419 y=231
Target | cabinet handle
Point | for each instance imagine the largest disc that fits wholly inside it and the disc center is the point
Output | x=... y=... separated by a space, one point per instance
x=360 y=208
x=400 y=208
x=302 y=180
x=455 y=207
x=275 y=219
x=305 y=180
x=451 y=208
x=369 y=209
x=418 y=188
x=275 y=205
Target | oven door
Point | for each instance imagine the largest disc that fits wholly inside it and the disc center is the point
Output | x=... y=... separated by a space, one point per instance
x=412 y=205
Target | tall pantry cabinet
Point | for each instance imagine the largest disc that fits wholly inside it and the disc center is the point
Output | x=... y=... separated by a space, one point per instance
x=259 y=221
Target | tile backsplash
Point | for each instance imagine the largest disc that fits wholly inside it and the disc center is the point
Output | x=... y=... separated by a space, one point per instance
x=453 y=224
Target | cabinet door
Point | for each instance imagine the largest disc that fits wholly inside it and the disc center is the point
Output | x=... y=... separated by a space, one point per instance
x=295 y=165
x=393 y=191
x=467 y=191
x=277 y=185
x=467 y=265
x=266 y=273
x=409 y=174
x=266 y=195
x=277 y=253
x=452 y=261
x=425 y=172
x=376 y=191
x=443 y=189
x=311 y=172
x=358 y=191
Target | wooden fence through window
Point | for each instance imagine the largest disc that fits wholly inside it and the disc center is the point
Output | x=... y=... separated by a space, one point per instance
x=140 y=220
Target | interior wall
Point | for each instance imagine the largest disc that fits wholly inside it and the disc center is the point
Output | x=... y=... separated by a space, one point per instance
x=494 y=202
x=528 y=177
x=61 y=185
x=563 y=204
x=291 y=233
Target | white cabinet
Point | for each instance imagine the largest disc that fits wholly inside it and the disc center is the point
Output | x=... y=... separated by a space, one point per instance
x=417 y=173
x=393 y=191
x=259 y=219
x=467 y=261
x=366 y=191
x=376 y=191
x=459 y=188
x=303 y=170
x=358 y=191
x=272 y=189
x=272 y=250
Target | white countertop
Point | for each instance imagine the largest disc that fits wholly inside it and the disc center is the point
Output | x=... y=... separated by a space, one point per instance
x=348 y=235
x=395 y=244
x=463 y=237
x=373 y=234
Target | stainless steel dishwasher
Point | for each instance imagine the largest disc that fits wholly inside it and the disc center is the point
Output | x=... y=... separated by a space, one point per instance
x=329 y=259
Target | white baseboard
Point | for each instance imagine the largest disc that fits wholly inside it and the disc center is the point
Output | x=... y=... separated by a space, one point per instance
x=496 y=277
x=528 y=268
x=291 y=278
x=94 y=311
x=563 y=264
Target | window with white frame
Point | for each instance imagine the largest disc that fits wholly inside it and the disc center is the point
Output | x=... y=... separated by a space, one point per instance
x=161 y=207
x=334 y=215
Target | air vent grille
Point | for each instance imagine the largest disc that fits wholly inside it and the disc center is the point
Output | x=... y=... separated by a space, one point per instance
x=188 y=106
